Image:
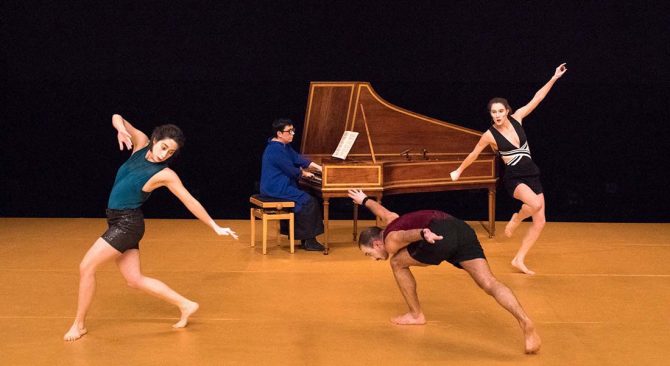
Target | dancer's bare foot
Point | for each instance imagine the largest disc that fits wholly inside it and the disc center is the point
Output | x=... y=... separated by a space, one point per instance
x=409 y=319
x=533 y=341
x=74 y=333
x=512 y=225
x=187 y=309
x=518 y=263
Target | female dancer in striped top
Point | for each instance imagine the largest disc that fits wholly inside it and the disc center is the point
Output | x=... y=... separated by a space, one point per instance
x=522 y=176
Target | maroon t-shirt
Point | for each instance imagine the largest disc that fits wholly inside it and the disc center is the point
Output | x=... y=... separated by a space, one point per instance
x=415 y=220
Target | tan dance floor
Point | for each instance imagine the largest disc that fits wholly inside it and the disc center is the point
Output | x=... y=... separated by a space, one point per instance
x=601 y=297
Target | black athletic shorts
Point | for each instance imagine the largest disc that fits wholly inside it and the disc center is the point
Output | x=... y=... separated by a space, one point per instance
x=126 y=228
x=459 y=244
x=533 y=182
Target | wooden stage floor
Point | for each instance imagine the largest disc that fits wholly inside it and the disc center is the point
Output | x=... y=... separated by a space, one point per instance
x=601 y=297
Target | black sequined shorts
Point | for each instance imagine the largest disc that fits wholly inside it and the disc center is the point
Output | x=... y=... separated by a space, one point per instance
x=126 y=228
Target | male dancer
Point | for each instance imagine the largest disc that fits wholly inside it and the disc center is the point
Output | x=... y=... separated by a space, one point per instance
x=428 y=237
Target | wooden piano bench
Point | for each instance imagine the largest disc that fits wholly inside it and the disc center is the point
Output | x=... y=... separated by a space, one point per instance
x=266 y=209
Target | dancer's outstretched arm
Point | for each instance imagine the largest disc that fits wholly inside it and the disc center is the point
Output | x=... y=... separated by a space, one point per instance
x=167 y=177
x=484 y=141
x=375 y=207
x=522 y=112
x=396 y=240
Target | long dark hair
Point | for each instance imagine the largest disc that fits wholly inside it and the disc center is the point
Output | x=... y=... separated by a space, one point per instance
x=168 y=131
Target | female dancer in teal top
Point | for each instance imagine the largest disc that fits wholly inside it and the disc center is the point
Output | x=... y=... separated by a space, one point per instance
x=144 y=171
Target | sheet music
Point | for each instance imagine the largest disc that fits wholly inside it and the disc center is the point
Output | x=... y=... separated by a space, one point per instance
x=346 y=142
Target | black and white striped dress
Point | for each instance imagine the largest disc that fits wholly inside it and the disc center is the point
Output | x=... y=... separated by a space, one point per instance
x=519 y=165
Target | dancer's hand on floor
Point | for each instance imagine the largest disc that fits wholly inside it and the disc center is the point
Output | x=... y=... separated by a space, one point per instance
x=225 y=231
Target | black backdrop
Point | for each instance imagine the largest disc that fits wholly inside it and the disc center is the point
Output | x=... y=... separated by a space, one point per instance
x=223 y=72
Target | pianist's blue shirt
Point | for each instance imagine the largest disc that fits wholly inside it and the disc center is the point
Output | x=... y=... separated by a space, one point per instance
x=280 y=173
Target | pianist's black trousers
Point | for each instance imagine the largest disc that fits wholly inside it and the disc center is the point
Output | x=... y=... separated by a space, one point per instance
x=308 y=222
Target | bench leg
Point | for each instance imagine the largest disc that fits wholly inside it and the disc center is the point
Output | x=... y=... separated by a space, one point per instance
x=265 y=235
x=253 y=228
x=291 y=232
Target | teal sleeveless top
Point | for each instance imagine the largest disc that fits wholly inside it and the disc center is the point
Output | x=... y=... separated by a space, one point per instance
x=127 y=191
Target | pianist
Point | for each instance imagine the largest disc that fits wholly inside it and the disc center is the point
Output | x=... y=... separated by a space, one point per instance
x=281 y=168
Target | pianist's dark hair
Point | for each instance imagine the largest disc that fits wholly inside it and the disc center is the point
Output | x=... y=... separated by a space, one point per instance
x=368 y=236
x=168 y=131
x=279 y=124
x=502 y=101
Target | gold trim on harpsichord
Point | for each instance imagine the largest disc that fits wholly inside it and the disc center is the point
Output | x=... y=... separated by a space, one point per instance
x=417 y=155
x=459 y=182
x=344 y=189
x=479 y=178
x=327 y=167
x=489 y=162
x=433 y=162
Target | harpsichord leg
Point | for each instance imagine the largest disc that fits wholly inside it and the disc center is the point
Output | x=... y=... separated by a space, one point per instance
x=326 y=208
x=355 y=234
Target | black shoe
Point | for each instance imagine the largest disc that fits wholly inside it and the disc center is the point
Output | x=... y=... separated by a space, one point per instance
x=312 y=245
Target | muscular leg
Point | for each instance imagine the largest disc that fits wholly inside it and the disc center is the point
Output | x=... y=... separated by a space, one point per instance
x=480 y=272
x=400 y=264
x=530 y=238
x=129 y=265
x=531 y=203
x=99 y=253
